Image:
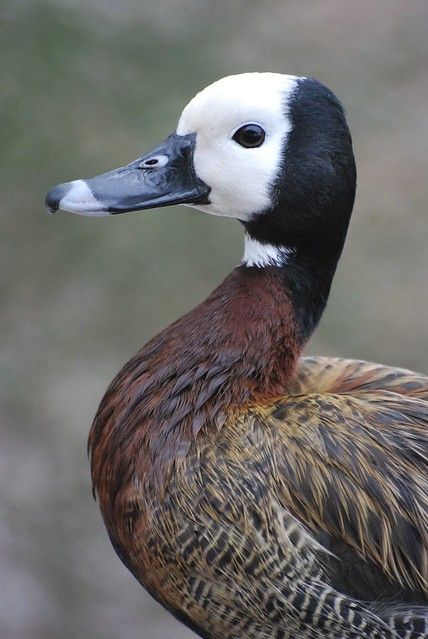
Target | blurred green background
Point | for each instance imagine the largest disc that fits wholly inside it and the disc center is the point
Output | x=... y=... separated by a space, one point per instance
x=87 y=86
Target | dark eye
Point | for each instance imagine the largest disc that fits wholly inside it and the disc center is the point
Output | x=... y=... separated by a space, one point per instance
x=249 y=136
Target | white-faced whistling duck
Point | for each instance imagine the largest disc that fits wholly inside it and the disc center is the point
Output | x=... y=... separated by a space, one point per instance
x=254 y=493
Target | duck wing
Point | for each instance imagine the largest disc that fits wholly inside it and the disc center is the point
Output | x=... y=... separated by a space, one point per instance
x=353 y=468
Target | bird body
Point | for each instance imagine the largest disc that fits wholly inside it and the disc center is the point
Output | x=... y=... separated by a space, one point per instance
x=252 y=492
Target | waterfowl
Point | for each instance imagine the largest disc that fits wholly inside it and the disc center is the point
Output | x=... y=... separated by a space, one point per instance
x=252 y=492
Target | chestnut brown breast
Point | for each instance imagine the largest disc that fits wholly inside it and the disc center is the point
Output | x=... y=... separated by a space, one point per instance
x=235 y=349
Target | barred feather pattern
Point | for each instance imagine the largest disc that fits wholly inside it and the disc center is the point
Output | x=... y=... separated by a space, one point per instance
x=274 y=522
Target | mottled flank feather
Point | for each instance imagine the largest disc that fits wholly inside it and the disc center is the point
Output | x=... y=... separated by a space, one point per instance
x=306 y=517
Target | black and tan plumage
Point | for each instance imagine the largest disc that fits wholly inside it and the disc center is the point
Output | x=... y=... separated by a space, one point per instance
x=253 y=493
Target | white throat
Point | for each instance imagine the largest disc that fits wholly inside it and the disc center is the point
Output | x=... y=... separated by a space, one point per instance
x=260 y=255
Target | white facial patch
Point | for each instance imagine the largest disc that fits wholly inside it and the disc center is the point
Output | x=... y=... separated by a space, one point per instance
x=240 y=178
x=258 y=254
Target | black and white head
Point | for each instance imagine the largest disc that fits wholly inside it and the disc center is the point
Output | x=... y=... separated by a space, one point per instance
x=270 y=150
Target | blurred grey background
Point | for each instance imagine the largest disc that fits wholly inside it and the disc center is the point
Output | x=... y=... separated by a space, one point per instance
x=88 y=86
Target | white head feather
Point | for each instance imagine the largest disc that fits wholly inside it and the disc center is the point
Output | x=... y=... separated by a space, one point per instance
x=240 y=178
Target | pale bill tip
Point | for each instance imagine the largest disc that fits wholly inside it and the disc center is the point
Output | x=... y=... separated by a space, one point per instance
x=79 y=199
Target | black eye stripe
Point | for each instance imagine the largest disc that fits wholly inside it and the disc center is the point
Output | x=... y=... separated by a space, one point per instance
x=250 y=136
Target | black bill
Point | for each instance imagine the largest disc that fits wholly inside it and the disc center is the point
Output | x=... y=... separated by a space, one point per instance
x=162 y=177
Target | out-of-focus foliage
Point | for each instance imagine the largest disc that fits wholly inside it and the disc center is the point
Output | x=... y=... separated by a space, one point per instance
x=86 y=86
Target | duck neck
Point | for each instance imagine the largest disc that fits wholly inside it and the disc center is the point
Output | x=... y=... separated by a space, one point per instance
x=238 y=348
x=306 y=273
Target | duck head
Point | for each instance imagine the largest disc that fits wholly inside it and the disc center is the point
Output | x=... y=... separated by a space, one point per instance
x=271 y=150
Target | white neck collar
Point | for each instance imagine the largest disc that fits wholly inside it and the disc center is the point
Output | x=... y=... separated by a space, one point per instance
x=260 y=255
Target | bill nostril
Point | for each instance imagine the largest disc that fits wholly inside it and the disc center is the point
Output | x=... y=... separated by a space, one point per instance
x=156 y=161
x=55 y=196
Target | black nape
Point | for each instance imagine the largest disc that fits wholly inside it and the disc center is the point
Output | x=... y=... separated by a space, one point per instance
x=312 y=198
